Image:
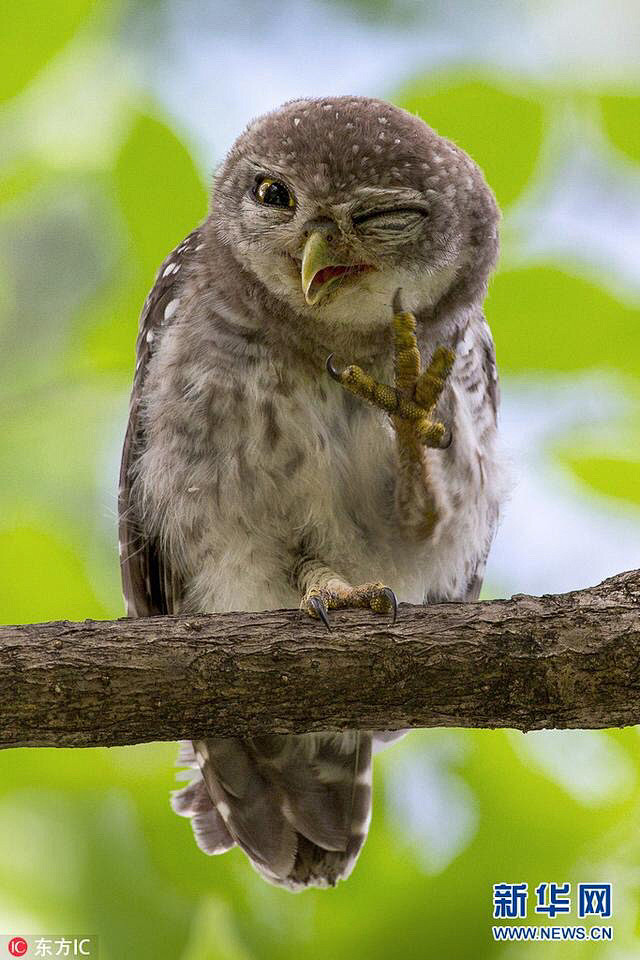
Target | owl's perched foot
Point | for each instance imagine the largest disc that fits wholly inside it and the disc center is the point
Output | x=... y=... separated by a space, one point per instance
x=412 y=399
x=317 y=601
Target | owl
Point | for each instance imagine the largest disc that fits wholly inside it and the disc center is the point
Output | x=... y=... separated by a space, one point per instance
x=313 y=425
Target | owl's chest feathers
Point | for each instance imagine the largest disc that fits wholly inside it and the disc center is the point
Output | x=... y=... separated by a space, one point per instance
x=252 y=464
x=306 y=452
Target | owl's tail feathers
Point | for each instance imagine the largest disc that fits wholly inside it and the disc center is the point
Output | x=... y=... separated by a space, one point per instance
x=299 y=806
x=194 y=801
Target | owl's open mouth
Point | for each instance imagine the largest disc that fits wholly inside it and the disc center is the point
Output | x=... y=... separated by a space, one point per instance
x=329 y=277
x=321 y=270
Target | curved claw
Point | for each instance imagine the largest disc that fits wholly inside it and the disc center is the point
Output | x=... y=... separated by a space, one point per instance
x=447 y=440
x=320 y=610
x=333 y=372
x=396 y=303
x=388 y=592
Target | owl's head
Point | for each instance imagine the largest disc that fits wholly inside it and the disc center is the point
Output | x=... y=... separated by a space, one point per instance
x=334 y=204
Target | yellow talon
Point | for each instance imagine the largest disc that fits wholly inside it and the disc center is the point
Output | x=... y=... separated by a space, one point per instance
x=430 y=432
x=320 y=599
x=431 y=383
x=414 y=396
x=407 y=355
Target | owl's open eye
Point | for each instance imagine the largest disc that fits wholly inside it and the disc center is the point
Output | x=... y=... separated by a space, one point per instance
x=273 y=193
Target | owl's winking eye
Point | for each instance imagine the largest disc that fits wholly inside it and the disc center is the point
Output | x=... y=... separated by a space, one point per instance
x=273 y=193
x=391 y=215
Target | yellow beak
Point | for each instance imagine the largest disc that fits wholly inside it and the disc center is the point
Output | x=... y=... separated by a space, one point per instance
x=316 y=256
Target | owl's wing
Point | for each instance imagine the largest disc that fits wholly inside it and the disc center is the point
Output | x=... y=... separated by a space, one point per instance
x=149 y=584
x=489 y=399
x=490 y=369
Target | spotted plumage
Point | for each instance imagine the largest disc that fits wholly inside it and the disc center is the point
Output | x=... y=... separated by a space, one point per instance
x=254 y=477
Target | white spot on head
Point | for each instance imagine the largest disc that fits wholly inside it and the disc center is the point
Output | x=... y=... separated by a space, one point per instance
x=382 y=120
x=170 y=309
x=396 y=141
x=355 y=148
x=296 y=121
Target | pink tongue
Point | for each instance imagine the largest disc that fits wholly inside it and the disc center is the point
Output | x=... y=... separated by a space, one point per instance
x=328 y=272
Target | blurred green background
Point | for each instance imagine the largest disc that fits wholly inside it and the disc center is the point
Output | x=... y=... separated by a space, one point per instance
x=113 y=115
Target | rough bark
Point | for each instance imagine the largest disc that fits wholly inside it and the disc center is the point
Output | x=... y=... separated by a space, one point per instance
x=571 y=660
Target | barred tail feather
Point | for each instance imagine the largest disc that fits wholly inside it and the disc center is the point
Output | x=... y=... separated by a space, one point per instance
x=299 y=806
x=209 y=829
x=320 y=867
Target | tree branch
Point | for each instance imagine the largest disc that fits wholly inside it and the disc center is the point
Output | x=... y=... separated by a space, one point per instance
x=571 y=660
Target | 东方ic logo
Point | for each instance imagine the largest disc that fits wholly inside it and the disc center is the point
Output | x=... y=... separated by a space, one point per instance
x=18 y=946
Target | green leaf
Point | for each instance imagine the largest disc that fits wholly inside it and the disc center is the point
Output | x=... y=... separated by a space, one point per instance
x=32 y=32
x=621 y=120
x=107 y=335
x=502 y=131
x=213 y=935
x=159 y=191
x=607 y=475
x=386 y=12
x=545 y=319
x=161 y=199
x=43 y=578
x=18 y=182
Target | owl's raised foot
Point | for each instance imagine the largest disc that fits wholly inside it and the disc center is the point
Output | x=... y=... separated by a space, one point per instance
x=412 y=399
x=319 y=600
